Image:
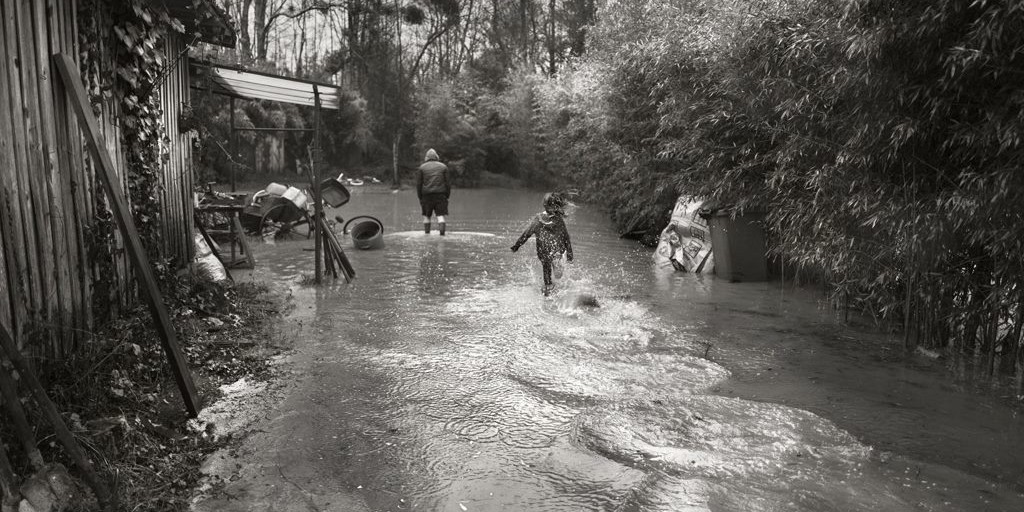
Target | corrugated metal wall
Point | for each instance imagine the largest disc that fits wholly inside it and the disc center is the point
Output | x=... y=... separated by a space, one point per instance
x=47 y=265
x=176 y=196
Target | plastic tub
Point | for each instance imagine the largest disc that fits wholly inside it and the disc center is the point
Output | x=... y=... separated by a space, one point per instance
x=367 y=233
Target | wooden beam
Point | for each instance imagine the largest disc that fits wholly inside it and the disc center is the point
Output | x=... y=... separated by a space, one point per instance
x=8 y=481
x=66 y=438
x=143 y=270
x=18 y=420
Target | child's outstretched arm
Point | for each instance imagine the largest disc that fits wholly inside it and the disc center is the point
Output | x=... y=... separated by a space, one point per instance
x=525 y=236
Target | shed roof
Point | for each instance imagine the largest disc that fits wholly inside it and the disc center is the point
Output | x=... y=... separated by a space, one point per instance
x=251 y=85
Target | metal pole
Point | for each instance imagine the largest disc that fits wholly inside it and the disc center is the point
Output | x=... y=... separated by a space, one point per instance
x=318 y=207
x=240 y=129
x=234 y=142
x=234 y=153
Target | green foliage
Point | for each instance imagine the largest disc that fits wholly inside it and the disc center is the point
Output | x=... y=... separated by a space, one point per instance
x=477 y=128
x=447 y=121
x=127 y=36
x=883 y=137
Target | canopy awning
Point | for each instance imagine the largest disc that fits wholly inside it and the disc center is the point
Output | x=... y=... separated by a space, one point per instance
x=256 y=85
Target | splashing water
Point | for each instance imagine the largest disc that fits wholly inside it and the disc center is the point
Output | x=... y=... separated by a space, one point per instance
x=443 y=379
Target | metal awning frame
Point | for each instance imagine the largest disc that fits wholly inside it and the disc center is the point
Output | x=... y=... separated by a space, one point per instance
x=247 y=85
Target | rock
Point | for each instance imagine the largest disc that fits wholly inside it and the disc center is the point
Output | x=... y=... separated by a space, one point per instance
x=50 y=490
x=213 y=324
x=38 y=495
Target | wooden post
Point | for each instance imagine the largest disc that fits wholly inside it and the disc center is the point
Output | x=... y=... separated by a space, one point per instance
x=9 y=348
x=318 y=207
x=119 y=206
x=234 y=142
x=16 y=413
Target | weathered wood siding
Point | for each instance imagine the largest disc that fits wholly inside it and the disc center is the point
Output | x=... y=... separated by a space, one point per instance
x=176 y=195
x=48 y=269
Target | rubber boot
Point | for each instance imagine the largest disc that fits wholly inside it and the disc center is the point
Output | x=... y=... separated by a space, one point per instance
x=426 y=227
x=441 y=225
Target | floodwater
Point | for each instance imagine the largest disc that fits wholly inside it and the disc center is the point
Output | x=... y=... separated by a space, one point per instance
x=442 y=379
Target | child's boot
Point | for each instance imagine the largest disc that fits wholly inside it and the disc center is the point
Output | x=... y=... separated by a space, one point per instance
x=442 y=225
x=426 y=227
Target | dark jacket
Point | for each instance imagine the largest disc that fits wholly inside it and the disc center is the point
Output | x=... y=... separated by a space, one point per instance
x=432 y=177
x=552 y=237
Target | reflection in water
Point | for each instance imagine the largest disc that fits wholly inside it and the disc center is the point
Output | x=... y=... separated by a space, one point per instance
x=475 y=392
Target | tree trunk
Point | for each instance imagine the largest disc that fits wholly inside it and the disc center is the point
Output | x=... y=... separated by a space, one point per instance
x=552 y=49
x=261 y=29
x=244 y=36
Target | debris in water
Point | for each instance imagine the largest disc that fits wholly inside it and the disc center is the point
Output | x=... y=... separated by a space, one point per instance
x=587 y=300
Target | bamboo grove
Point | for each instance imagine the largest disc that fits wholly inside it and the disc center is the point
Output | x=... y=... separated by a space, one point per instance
x=882 y=137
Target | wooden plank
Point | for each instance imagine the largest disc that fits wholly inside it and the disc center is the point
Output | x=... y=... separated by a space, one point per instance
x=55 y=28
x=6 y=313
x=137 y=253
x=63 y=325
x=20 y=202
x=79 y=206
x=9 y=494
x=38 y=162
x=10 y=312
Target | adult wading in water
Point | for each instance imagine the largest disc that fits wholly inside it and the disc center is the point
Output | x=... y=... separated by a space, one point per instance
x=433 y=188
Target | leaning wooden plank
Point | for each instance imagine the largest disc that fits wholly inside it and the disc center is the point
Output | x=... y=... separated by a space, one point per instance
x=8 y=482
x=16 y=414
x=60 y=429
x=250 y=260
x=143 y=270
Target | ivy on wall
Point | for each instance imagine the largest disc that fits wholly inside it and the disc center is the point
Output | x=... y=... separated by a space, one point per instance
x=123 y=63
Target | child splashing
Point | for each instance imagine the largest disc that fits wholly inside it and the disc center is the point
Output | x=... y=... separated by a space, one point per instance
x=552 y=237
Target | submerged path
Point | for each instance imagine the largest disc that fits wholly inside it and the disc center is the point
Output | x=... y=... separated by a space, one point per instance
x=441 y=379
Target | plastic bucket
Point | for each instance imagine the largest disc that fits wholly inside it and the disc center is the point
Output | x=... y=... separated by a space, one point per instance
x=367 y=232
x=276 y=189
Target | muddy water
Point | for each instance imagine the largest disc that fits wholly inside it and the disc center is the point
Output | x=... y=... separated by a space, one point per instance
x=441 y=379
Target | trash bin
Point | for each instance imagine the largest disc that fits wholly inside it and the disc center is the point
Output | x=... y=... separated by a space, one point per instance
x=739 y=247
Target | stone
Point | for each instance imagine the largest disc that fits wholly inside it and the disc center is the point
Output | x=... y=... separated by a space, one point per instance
x=51 y=489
